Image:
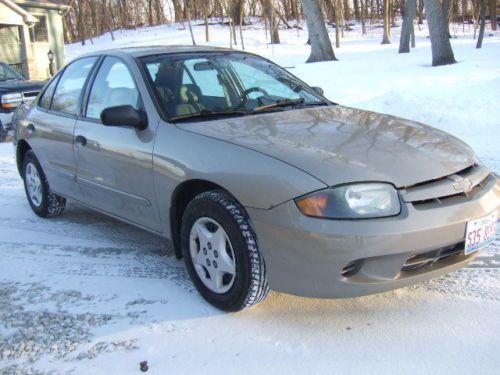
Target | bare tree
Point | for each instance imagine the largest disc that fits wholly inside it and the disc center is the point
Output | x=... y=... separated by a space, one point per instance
x=407 y=26
x=270 y=13
x=188 y=13
x=420 y=12
x=242 y=17
x=321 y=47
x=177 y=10
x=493 y=14
x=363 y=26
x=336 y=11
x=442 y=53
x=482 y=18
x=205 y=15
x=387 y=22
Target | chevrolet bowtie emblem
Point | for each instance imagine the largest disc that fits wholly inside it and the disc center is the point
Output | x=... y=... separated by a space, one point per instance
x=463 y=184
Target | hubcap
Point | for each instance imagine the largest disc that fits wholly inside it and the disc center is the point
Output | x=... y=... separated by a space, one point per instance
x=212 y=255
x=33 y=184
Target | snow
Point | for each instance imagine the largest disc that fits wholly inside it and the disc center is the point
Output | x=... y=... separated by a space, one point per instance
x=86 y=294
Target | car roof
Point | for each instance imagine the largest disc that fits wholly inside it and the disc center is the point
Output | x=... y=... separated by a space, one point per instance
x=141 y=51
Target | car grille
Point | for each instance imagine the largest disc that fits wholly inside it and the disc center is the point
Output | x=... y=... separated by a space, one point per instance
x=352 y=268
x=454 y=188
x=434 y=258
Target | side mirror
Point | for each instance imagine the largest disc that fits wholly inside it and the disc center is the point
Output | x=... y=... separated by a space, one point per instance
x=318 y=90
x=124 y=115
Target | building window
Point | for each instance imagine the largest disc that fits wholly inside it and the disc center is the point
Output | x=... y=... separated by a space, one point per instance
x=39 y=33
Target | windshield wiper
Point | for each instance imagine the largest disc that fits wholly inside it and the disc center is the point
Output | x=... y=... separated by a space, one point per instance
x=286 y=103
x=206 y=113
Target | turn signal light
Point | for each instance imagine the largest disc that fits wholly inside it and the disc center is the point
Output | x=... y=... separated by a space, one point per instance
x=313 y=205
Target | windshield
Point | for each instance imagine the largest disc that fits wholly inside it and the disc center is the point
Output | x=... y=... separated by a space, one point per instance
x=6 y=73
x=223 y=84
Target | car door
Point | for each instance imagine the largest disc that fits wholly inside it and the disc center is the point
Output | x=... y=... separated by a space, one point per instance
x=51 y=125
x=115 y=164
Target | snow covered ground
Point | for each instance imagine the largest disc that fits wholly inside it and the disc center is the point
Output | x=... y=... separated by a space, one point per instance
x=86 y=294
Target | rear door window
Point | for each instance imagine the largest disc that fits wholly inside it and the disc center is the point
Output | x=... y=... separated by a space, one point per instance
x=69 y=89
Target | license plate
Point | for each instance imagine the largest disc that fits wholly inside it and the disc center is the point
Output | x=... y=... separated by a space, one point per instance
x=480 y=233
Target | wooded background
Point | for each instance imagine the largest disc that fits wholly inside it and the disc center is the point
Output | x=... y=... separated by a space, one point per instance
x=90 y=18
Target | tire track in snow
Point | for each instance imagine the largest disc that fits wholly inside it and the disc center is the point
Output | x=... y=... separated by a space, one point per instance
x=103 y=261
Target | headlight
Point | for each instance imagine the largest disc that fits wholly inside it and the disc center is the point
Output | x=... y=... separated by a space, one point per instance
x=10 y=101
x=354 y=201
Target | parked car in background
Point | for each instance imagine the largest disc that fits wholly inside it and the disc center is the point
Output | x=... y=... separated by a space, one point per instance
x=259 y=180
x=14 y=91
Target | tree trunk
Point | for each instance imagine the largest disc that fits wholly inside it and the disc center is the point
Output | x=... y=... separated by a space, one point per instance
x=420 y=12
x=342 y=15
x=363 y=26
x=493 y=14
x=188 y=13
x=81 y=25
x=446 y=5
x=387 y=21
x=482 y=18
x=177 y=10
x=242 y=17
x=160 y=13
x=407 y=26
x=205 y=15
x=356 y=9
x=111 y=22
x=273 y=21
x=337 y=24
x=475 y=15
x=321 y=47
x=442 y=53
x=372 y=13
x=412 y=35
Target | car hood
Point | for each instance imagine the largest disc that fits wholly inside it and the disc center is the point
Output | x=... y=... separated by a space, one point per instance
x=20 y=85
x=338 y=144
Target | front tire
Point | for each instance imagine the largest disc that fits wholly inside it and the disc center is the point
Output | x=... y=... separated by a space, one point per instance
x=43 y=202
x=221 y=253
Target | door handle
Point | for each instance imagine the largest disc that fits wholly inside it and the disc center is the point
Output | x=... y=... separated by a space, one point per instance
x=80 y=139
x=30 y=128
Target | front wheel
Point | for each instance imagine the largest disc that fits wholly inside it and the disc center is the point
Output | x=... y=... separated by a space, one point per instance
x=221 y=253
x=43 y=202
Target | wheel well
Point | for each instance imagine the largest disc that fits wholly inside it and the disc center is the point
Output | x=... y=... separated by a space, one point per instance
x=22 y=147
x=181 y=197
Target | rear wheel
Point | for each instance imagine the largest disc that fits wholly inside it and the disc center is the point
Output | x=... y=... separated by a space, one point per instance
x=43 y=202
x=221 y=252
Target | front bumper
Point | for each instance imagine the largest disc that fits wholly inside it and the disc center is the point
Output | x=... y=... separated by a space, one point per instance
x=338 y=258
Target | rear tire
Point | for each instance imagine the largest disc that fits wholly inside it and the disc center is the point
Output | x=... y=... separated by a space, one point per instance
x=43 y=202
x=247 y=286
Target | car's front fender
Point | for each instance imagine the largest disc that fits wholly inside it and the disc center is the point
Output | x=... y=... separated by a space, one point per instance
x=254 y=179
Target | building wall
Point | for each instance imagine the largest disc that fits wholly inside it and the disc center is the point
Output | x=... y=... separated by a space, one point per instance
x=10 y=49
x=10 y=44
x=39 y=50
